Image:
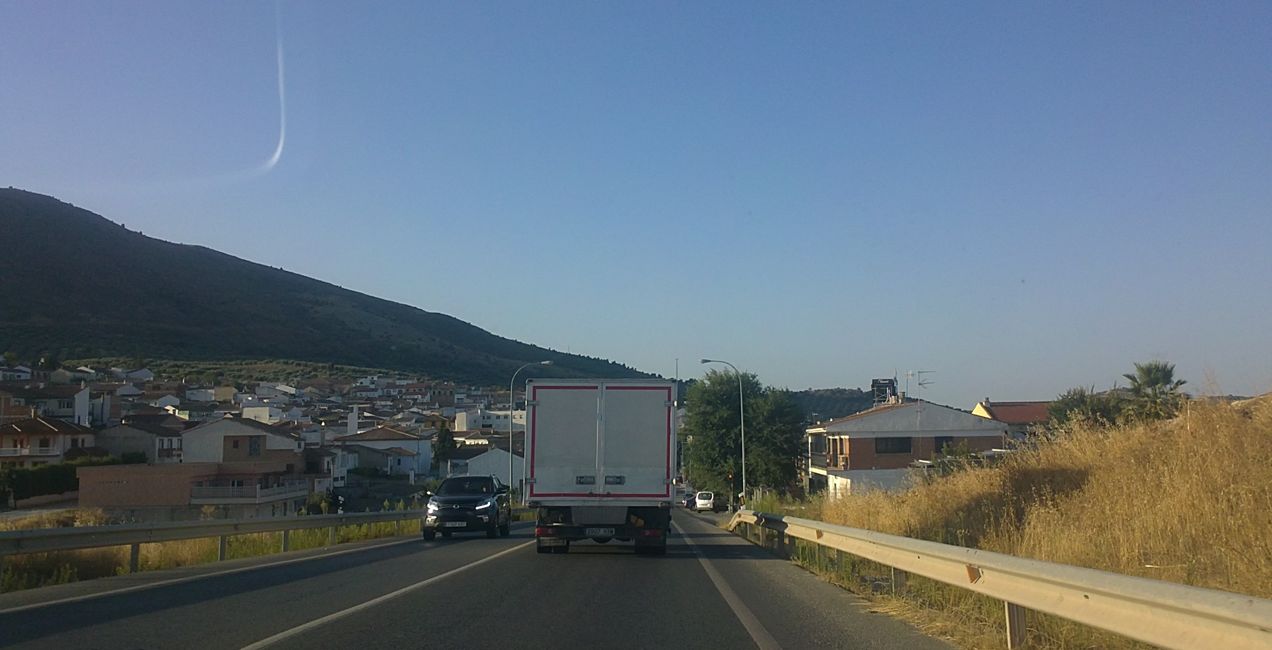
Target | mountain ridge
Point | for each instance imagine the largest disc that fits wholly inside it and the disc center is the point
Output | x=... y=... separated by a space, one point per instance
x=80 y=285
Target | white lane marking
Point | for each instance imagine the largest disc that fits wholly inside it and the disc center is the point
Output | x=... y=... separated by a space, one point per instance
x=285 y=634
x=177 y=581
x=759 y=635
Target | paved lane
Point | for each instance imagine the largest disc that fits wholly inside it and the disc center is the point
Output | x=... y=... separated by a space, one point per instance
x=604 y=596
x=231 y=611
x=711 y=590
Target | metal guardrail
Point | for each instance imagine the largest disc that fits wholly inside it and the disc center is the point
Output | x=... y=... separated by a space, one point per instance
x=1166 y=614
x=134 y=535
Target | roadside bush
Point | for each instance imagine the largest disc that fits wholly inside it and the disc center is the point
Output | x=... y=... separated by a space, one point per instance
x=48 y=479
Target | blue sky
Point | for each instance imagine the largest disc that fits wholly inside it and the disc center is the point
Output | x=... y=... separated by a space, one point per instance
x=1021 y=197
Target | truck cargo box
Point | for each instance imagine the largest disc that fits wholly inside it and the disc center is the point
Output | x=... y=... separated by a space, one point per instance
x=606 y=441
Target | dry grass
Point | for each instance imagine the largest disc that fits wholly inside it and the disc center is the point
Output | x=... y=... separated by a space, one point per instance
x=1189 y=501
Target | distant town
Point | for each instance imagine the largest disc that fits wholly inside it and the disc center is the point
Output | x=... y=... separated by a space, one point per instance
x=157 y=449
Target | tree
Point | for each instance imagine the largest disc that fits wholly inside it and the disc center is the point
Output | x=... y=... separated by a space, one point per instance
x=444 y=446
x=1086 y=404
x=1155 y=393
x=10 y=359
x=713 y=456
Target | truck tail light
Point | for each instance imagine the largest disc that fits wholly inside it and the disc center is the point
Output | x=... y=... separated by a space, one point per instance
x=544 y=531
x=651 y=532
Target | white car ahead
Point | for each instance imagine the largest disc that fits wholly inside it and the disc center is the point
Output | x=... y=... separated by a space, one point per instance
x=704 y=501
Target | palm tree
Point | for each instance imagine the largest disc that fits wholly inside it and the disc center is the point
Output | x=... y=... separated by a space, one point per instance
x=1154 y=390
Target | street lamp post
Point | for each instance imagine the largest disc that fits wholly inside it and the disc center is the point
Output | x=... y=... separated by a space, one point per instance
x=741 y=417
x=512 y=403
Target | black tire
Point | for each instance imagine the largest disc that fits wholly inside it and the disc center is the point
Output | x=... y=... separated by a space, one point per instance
x=429 y=535
x=538 y=546
x=504 y=530
x=563 y=549
x=492 y=532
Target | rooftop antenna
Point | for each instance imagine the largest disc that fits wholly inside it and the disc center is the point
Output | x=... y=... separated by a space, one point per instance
x=921 y=382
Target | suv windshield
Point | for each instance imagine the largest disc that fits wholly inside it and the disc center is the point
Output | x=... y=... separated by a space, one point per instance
x=705 y=495
x=458 y=486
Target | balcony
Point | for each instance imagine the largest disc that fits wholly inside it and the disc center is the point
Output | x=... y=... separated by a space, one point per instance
x=10 y=452
x=225 y=494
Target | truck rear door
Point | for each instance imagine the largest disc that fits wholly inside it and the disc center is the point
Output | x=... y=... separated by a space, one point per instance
x=600 y=439
x=635 y=458
x=563 y=427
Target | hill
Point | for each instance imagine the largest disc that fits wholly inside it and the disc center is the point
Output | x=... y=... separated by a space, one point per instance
x=820 y=404
x=78 y=285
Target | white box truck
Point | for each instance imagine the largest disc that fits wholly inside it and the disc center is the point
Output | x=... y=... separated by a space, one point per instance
x=601 y=461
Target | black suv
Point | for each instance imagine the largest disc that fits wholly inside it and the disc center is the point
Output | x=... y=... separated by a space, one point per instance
x=467 y=504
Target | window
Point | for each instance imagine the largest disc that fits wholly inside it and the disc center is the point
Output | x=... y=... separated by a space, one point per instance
x=466 y=485
x=892 y=445
x=75 y=443
x=942 y=442
x=44 y=443
x=65 y=404
x=234 y=444
x=254 y=446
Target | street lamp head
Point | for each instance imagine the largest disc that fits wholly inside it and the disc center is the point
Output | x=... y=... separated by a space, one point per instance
x=545 y=363
x=706 y=361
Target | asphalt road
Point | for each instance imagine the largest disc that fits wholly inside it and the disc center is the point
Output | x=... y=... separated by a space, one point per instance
x=711 y=590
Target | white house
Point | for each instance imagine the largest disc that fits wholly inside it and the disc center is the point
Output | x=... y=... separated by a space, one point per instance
x=486 y=460
x=70 y=403
x=201 y=394
x=160 y=444
x=128 y=390
x=166 y=401
x=485 y=419
x=266 y=414
x=875 y=449
x=384 y=438
x=36 y=441
x=237 y=440
x=16 y=373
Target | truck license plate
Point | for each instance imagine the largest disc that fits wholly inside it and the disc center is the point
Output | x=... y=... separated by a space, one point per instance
x=598 y=532
x=454 y=524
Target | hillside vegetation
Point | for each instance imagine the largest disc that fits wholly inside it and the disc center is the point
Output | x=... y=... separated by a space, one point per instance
x=820 y=404
x=77 y=285
x=1185 y=500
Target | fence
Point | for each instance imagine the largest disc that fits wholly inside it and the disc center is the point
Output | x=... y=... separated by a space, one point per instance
x=1162 y=613
x=134 y=535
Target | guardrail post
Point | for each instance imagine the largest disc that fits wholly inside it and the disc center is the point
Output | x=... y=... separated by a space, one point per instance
x=1015 y=625
x=898 y=581
x=779 y=543
x=134 y=558
x=222 y=547
x=286 y=540
x=331 y=536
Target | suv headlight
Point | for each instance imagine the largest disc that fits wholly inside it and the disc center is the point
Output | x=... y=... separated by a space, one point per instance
x=488 y=503
x=432 y=506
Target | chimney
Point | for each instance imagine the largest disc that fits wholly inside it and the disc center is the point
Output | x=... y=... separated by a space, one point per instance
x=353 y=422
